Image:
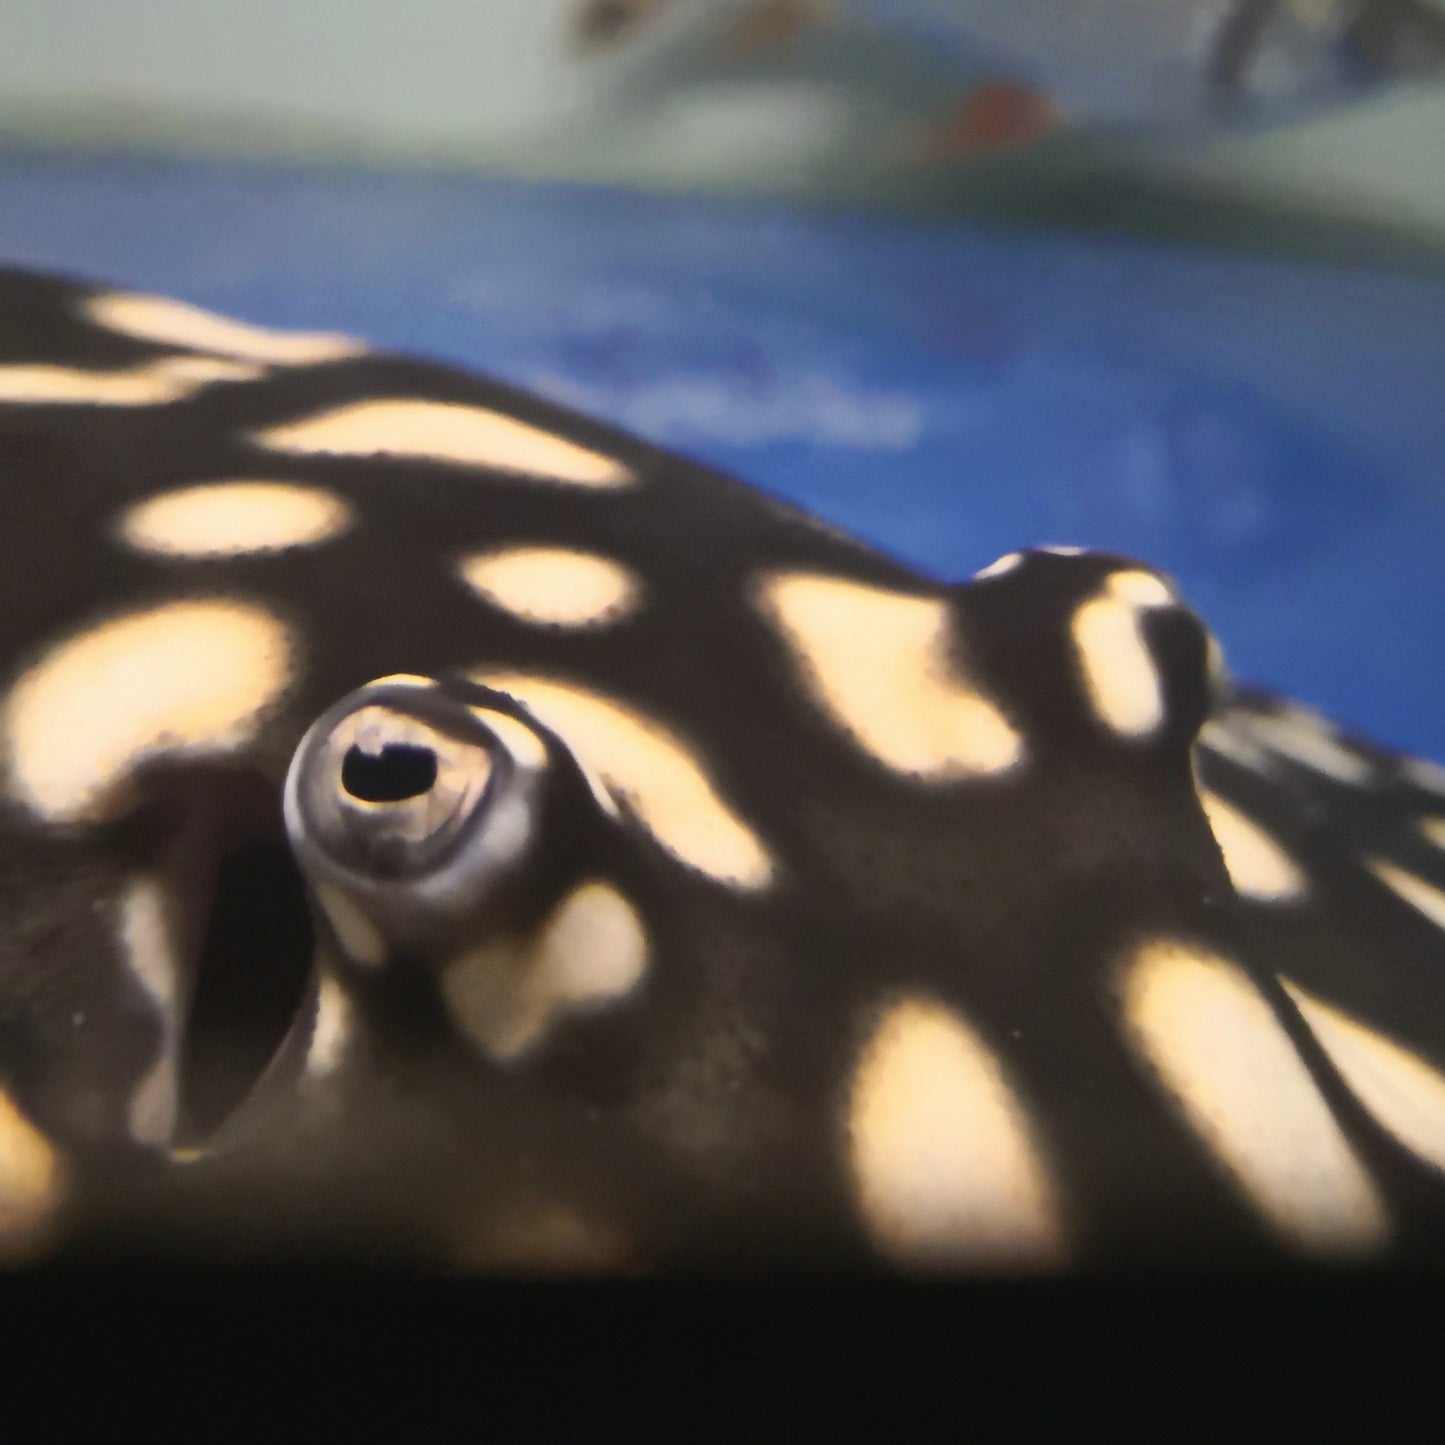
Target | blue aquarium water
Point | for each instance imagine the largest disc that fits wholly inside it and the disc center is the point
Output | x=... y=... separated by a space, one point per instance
x=1272 y=433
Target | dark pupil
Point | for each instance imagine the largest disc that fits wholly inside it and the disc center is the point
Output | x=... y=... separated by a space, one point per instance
x=398 y=772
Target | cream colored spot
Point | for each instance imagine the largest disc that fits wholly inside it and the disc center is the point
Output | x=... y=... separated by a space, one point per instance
x=1140 y=589
x=1063 y=551
x=229 y=519
x=1424 y=774
x=31 y=1182
x=650 y=769
x=1420 y=895
x=1118 y=668
x=331 y=1029
x=170 y=379
x=1005 y=564
x=1309 y=739
x=1218 y=1048
x=176 y=323
x=591 y=951
x=880 y=665
x=1214 y=663
x=404 y=679
x=436 y=431
x=946 y=1171
x=150 y=950
x=1404 y=1093
x=1433 y=830
x=358 y=935
x=553 y=585
x=189 y=677
x=525 y=747
x=1258 y=866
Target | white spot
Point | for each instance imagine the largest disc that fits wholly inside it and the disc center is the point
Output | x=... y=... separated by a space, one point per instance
x=176 y=323
x=331 y=1029
x=170 y=379
x=946 y=1171
x=553 y=585
x=880 y=664
x=1063 y=551
x=436 y=431
x=1433 y=830
x=1309 y=739
x=231 y=518
x=192 y=677
x=1118 y=668
x=1420 y=895
x=1259 y=867
x=1222 y=736
x=150 y=951
x=1005 y=564
x=31 y=1182
x=1404 y=1093
x=153 y=1104
x=1424 y=774
x=1218 y=1048
x=358 y=935
x=590 y=952
x=649 y=768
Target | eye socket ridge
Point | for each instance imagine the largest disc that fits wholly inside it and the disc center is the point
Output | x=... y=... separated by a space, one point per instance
x=425 y=814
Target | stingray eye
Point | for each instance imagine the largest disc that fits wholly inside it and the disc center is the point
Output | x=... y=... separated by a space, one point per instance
x=416 y=801
x=391 y=793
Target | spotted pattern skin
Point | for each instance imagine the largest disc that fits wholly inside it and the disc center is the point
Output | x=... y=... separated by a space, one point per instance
x=805 y=1006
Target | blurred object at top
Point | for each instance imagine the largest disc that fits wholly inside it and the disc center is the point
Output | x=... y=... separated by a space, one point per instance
x=1148 y=113
x=1219 y=122
x=1027 y=67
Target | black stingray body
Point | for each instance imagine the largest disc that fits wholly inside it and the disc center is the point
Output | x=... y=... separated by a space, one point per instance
x=706 y=1118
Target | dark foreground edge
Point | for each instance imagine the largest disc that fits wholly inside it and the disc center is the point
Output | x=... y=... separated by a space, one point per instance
x=248 y=1352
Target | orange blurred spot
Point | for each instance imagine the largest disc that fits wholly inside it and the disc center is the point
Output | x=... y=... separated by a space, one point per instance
x=991 y=117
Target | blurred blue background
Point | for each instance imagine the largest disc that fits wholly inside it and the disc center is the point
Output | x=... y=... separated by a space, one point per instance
x=1272 y=432
x=1254 y=404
